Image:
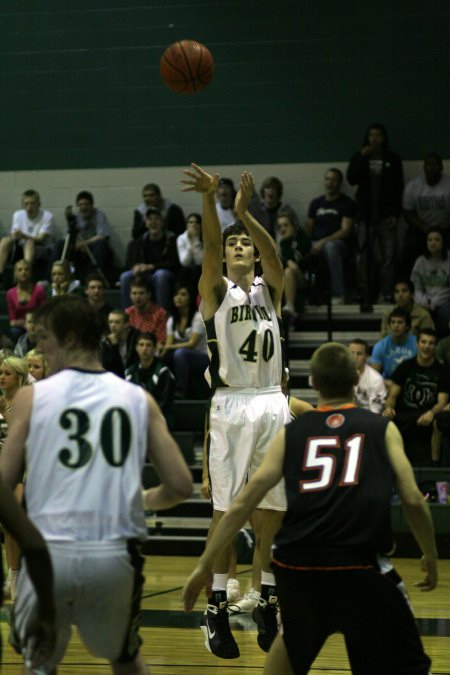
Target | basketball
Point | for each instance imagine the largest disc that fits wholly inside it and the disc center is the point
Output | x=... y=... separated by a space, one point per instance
x=186 y=66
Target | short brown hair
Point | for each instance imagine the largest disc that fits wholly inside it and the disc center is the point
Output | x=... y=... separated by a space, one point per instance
x=333 y=370
x=65 y=314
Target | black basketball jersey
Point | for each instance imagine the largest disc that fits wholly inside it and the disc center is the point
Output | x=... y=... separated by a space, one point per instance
x=338 y=483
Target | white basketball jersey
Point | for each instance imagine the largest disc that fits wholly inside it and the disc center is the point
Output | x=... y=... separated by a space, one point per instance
x=86 y=448
x=244 y=339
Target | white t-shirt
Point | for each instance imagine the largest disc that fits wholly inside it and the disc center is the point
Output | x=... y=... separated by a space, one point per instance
x=42 y=224
x=370 y=392
x=197 y=326
x=431 y=202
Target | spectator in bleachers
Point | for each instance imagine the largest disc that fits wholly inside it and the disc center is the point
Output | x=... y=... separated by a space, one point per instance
x=92 y=231
x=62 y=281
x=172 y=214
x=396 y=347
x=31 y=234
x=330 y=224
x=190 y=251
x=404 y=298
x=266 y=206
x=426 y=203
x=144 y=314
x=225 y=196
x=153 y=256
x=151 y=373
x=419 y=391
x=370 y=392
x=443 y=349
x=22 y=298
x=378 y=173
x=185 y=349
x=26 y=341
x=293 y=245
x=37 y=364
x=431 y=278
x=118 y=348
x=95 y=293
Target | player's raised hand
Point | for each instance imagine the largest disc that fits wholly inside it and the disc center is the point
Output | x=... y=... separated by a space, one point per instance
x=199 y=181
x=429 y=566
x=246 y=190
x=200 y=578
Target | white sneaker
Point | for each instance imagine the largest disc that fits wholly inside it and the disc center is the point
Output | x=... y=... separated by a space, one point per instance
x=233 y=591
x=249 y=601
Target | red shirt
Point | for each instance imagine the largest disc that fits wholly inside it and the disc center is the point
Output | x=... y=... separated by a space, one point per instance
x=153 y=319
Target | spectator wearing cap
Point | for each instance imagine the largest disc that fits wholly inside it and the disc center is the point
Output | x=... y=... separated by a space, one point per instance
x=153 y=256
x=226 y=194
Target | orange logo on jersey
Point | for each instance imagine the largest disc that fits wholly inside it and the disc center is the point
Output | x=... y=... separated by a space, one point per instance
x=335 y=420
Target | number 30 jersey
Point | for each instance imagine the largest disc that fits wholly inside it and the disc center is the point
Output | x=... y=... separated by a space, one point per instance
x=86 y=447
x=244 y=339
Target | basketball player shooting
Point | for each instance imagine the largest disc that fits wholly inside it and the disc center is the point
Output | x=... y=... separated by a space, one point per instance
x=242 y=313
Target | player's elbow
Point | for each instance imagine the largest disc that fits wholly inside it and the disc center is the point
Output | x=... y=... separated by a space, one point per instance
x=182 y=487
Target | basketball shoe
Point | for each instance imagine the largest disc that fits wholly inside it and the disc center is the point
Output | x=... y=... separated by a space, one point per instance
x=265 y=616
x=248 y=601
x=215 y=625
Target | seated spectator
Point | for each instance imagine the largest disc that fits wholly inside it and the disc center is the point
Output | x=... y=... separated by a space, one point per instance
x=153 y=375
x=378 y=173
x=426 y=203
x=431 y=278
x=95 y=293
x=172 y=214
x=90 y=249
x=396 y=347
x=266 y=207
x=154 y=256
x=62 y=281
x=185 y=350
x=226 y=194
x=22 y=298
x=330 y=224
x=419 y=391
x=293 y=245
x=28 y=340
x=144 y=314
x=118 y=348
x=190 y=251
x=404 y=298
x=370 y=392
x=31 y=235
x=37 y=365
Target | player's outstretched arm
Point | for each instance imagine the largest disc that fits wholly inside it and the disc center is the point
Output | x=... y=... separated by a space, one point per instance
x=211 y=281
x=270 y=260
x=268 y=475
x=416 y=509
x=166 y=457
x=40 y=633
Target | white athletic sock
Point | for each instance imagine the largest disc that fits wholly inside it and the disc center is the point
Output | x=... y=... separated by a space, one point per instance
x=219 y=582
x=267 y=579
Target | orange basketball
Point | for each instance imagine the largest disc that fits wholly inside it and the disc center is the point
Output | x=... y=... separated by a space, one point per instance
x=186 y=66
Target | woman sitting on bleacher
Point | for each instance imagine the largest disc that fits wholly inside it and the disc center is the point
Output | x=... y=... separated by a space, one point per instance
x=22 y=298
x=185 y=349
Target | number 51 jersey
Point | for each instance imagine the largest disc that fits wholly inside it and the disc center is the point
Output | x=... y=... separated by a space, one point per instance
x=85 y=450
x=339 y=482
x=244 y=339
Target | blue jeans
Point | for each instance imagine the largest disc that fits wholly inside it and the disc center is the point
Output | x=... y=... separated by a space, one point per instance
x=161 y=281
x=335 y=253
x=188 y=364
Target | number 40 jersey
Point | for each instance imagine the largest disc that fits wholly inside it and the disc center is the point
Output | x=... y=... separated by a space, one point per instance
x=244 y=339
x=86 y=446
